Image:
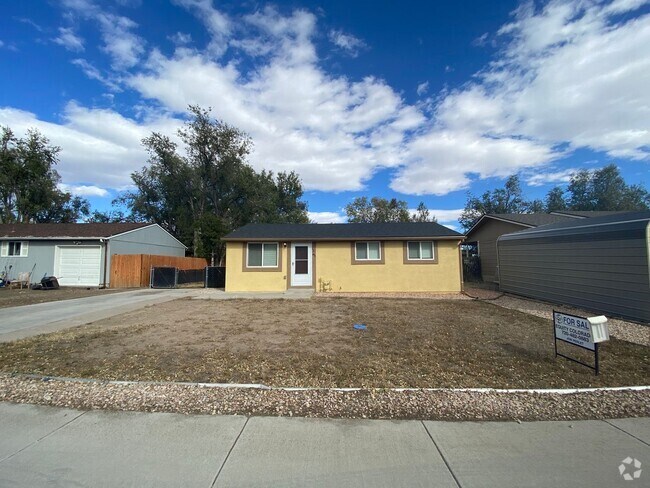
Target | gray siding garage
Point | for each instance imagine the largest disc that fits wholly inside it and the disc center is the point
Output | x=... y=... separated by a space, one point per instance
x=599 y=264
x=78 y=254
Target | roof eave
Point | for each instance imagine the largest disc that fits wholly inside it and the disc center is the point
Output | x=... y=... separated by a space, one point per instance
x=342 y=239
x=484 y=216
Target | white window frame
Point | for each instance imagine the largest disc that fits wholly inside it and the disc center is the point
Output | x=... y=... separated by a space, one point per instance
x=277 y=255
x=433 y=251
x=24 y=249
x=367 y=258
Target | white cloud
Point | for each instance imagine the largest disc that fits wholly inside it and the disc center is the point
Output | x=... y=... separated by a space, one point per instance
x=443 y=160
x=69 y=40
x=570 y=74
x=423 y=88
x=444 y=215
x=346 y=42
x=180 y=38
x=546 y=177
x=335 y=133
x=123 y=46
x=99 y=147
x=327 y=217
x=84 y=190
x=94 y=74
x=216 y=22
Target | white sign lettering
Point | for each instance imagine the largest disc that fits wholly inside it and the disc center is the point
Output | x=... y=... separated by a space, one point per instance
x=574 y=330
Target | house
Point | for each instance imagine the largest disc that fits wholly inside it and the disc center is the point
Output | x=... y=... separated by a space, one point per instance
x=482 y=236
x=599 y=264
x=386 y=257
x=78 y=254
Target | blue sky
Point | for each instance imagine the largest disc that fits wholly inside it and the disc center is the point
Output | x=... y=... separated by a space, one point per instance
x=417 y=100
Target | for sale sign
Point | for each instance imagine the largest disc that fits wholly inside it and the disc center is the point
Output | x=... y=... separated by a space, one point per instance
x=574 y=330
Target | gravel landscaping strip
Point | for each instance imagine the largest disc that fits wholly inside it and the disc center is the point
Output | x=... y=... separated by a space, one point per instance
x=621 y=329
x=424 y=295
x=364 y=403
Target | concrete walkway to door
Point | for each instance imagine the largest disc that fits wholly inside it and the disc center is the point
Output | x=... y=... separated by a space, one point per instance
x=40 y=318
x=46 y=446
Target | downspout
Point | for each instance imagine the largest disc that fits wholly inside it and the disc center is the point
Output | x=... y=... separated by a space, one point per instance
x=498 y=276
x=105 y=260
x=460 y=262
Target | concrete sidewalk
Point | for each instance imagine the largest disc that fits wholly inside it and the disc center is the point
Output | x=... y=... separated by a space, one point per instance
x=40 y=318
x=44 y=446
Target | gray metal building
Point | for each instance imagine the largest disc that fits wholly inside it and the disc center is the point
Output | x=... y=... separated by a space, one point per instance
x=78 y=254
x=600 y=264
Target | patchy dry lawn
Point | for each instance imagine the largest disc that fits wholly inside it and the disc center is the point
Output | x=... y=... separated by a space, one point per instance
x=15 y=297
x=408 y=343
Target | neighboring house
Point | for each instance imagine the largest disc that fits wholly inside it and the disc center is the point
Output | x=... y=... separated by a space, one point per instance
x=78 y=254
x=488 y=228
x=600 y=264
x=390 y=257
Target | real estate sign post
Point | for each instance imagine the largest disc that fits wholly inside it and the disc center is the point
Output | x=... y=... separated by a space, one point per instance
x=576 y=331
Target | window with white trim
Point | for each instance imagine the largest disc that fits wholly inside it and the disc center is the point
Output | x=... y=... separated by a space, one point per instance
x=420 y=251
x=367 y=251
x=262 y=255
x=14 y=249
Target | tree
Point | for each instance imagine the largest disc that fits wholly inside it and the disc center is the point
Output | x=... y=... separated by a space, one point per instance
x=422 y=214
x=555 y=201
x=29 y=191
x=508 y=199
x=377 y=209
x=605 y=189
x=208 y=189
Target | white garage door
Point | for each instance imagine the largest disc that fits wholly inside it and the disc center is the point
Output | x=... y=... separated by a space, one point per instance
x=78 y=265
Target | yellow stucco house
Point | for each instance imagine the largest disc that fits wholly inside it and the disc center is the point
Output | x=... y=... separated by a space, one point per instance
x=387 y=257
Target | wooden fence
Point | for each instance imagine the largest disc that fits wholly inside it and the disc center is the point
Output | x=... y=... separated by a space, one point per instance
x=133 y=270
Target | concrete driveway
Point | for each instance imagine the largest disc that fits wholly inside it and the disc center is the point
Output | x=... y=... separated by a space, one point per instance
x=40 y=318
x=46 y=446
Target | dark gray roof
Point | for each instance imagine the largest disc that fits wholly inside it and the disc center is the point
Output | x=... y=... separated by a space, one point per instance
x=534 y=219
x=342 y=231
x=82 y=231
x=612 y=222
x=589 y=213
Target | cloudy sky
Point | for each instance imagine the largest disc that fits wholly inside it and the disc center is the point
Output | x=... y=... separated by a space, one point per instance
x=418 y=100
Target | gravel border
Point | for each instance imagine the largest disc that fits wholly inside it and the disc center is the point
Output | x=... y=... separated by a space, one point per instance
x=327 y=403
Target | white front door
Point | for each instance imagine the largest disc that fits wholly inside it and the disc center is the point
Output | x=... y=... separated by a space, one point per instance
x=78 y=265
x=301 y=274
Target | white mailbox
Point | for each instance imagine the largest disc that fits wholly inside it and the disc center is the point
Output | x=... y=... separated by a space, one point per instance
x=599 y=328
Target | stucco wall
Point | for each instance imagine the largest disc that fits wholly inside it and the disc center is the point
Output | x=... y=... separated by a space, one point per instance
x=333 y=262
x=239 y=280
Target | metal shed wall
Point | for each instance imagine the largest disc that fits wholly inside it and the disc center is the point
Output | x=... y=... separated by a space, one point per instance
x=600 y=267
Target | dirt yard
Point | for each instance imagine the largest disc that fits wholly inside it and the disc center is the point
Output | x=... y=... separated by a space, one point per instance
x=15 y=297
x=408 y=343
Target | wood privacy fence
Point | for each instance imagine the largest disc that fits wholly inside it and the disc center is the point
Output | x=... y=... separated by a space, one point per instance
x=133 y=270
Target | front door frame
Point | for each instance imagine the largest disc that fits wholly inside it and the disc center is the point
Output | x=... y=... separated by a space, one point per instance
x=311 y=254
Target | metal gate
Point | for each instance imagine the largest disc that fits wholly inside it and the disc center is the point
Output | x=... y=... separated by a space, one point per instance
x=164 y=277
x=215 y=277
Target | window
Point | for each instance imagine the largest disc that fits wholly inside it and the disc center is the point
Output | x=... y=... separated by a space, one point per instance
x=367 y=251
x=420 y=251
x=262 y=255
x=14 y=249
